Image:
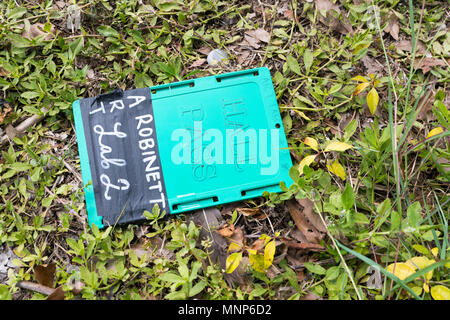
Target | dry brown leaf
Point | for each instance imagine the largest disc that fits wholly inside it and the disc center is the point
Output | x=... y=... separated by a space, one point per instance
x=372 y=65
x=312 y=217
x=302 y=222
x=259 y=34
x=57 y=294
x=242 y=58
x=204 y=50
x=325 y=5
x=37 y=30
x=301 y=275
x=303 y=246
x=427 y=63
x=227 y=231
x=392 y=27
x=3 y=72
x=426 y=112
x=251 y=41
x=289 y=14
x=198 y=63
x=248 y=212
x=45 y=274
x=310 y=296
x=406 y=45
x=258 y=245
x=328 y=18
x=238 y=237
x=4 y=112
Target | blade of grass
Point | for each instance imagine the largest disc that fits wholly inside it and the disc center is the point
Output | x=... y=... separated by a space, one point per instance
x=372 y=263
x=444 y=222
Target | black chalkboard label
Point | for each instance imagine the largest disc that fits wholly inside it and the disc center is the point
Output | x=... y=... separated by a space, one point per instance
x=123 y=153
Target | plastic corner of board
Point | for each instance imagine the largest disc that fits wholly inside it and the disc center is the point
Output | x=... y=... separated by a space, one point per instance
x=91 y=207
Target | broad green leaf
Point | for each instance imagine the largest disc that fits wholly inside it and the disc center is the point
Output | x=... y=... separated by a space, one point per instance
x=16 y=13
x=19 y=166
x=233 y=261
x=333 y=273
x=440 y=292
x=337 y=146
x=413 y=214
x=348 y=197
x=30 y=94
x=197 y=288
x=336 y=168
x=306 y=161
x=396 y=220
x=171 y=277
x=108 y=31
x=421 y=249
x=293 y=65
x=315 y=268
x=308 y=59
x=372 y=100
x=4 y=292
x=434 y=132
x=350 y=129
x=312 y=143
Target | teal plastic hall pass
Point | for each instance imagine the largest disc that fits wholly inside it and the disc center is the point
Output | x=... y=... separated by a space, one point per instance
x=183 y=146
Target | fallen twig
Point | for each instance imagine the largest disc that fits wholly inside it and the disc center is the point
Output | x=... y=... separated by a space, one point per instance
x=28 y=285
x=20 y=129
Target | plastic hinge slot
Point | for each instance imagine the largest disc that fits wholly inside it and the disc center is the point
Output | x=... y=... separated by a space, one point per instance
x=248 y=74
x=257 y=192
x=193 y=204
x=175 y=86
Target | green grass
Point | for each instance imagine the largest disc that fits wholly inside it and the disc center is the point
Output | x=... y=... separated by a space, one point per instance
x=392 y=205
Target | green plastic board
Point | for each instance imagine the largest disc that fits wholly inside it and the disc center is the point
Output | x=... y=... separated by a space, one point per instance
x=184 y=146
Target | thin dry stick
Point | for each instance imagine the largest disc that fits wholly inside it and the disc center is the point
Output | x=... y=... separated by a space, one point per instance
x=24 y=125
x=28 y=285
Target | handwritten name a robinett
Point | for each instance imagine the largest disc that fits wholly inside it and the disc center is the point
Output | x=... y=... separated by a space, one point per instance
x=146 y=144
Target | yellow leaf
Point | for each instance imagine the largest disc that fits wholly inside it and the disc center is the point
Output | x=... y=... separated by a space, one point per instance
x=360 y=79
x=372 y=100
x=337 y=146
x=440 y=292
x=360 y=88
x=426 y=287
x=336 y=168
x=434 y=132
x=376 y=83
x=257 y=262
x=421 y=263
x=233 y=261
x=306 y=161
x=269 y=253
x=234 y=247
x=312 y=143
x=435 y=251
x=402 y=270
x=302 y=114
